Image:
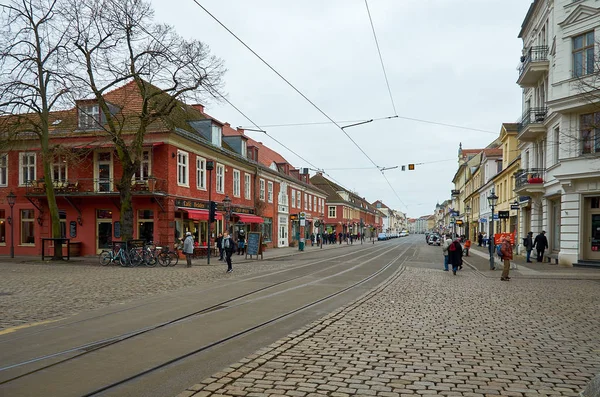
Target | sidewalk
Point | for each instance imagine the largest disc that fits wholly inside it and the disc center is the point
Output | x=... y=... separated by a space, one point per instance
x=269 y=254
x=479 y=258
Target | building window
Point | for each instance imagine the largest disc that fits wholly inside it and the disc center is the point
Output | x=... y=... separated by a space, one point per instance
x=183 y=175
x=293 y=198
x=305 y=201
x=200 y=173
x=220 y=178
x=27 y=226
x=270 y=191
x=267 y=230
x=262 y=190
x=2 y=227
x=310 y=203
x=244 y=146
x=144 y=171
x=217 y=132
x=89 y=116
x=59 y=169
x=556 y=144
x=3 y=169
x=332 y=211
x=590 y=133
x=298 y=199
x=315 y=204
x=247 y=186
x=236 y=183
x=583 y=54
x=146 y=225
x=27 y=168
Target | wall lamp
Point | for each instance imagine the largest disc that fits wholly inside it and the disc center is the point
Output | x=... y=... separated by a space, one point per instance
x=80 y=221
x=172 y=155
x=40 y=220
x=9 y=220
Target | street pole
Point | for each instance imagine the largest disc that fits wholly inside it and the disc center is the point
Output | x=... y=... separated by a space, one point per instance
x=12 y=199
x=492 y=243
x=209 y=167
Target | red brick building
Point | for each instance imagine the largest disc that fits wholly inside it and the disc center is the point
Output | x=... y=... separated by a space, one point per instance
x=170 y=191
x=346 y=212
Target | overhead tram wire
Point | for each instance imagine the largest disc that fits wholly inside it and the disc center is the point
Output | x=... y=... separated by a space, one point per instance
x=287 y=81
x=387 y=82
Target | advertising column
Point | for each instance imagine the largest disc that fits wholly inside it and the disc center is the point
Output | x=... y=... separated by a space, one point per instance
x=302 y=218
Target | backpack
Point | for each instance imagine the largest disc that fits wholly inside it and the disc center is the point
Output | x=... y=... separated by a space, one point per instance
x=452 y=247
x=499 y=250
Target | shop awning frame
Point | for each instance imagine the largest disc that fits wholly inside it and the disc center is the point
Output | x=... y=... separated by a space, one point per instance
x=198 y=214
x=248 y=218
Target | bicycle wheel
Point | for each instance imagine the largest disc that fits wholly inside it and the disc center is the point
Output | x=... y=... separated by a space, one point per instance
x=135 y=258
x=105 y=258
x=174 y=257
x=164 y=259
x=124 y=258
x=149 y=258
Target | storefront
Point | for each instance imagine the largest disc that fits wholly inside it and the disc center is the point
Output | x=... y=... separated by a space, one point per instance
x=591 y=229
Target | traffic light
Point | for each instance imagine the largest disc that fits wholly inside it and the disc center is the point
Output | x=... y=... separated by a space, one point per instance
x=212 y=212
x=411 y=167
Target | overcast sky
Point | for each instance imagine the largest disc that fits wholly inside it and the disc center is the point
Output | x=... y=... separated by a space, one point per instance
x=447 y=61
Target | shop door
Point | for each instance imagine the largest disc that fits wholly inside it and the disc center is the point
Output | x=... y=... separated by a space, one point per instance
x=283 y=232
x=104 y=233
x=591 y=236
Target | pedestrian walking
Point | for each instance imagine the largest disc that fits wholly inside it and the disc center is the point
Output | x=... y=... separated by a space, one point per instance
x=485 y=239
x=445 y=246
x=455 y=255
x=318 y=239
x=480 y=239
x=188 y=248
x=528 y=244
x=341 y=235
x=220 y=245
x=229 y=247
x=540 y=243
x=467 y=247
x=312 y=239
x=241 y=243
x=506 y=252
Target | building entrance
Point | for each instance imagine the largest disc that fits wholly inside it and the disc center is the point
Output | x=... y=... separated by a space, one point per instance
x=591 y=235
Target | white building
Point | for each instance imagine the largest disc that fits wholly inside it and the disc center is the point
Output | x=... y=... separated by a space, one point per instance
x=559 y=132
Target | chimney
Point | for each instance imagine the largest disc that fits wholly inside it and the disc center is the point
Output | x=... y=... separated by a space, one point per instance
x=199 y=107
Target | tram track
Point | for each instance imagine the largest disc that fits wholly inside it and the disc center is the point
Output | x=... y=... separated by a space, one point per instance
x=95 y=346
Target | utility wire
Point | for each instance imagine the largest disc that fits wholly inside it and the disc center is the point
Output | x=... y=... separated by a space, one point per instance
x=284 y=79
x=381 y=58
x=384 y=118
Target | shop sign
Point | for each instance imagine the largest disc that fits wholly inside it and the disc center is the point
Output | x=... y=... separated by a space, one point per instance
x=191 y=204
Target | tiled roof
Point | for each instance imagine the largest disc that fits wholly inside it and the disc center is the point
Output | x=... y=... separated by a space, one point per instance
x=266 y=155
x=492 y=152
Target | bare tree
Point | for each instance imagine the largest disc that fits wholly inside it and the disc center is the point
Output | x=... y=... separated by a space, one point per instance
x=32 y=83
x=117 y=42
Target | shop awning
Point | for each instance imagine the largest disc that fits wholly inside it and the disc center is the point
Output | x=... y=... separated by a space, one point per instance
x=247 y=218
x=199 y=215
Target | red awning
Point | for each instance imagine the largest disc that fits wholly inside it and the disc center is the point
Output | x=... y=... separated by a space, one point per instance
x=247 y=218
x=199 y=215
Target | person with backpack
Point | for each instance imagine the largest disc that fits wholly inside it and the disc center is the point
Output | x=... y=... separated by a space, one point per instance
x=445 y=246
x=506 y=253
x=455 y=254
x=528 y=244
x=228 y=247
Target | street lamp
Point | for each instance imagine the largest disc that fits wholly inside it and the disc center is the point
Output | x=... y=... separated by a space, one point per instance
x=11 y=198
x=210 y=165
x=227 y=205
x=492 y=200
x=468 y=212
x=516 y=206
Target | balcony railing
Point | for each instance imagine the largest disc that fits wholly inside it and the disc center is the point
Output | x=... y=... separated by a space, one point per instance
x=534 y=54
x=96 y=186
x=532 y=116
x=530 y=177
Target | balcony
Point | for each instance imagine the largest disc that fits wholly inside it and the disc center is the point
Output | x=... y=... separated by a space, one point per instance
x=530 y=181
x=96 y=186
x=533 y=66
x=455 y=192
x=531 y=125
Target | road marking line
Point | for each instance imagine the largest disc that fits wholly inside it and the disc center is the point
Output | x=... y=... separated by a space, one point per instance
x=13 y=329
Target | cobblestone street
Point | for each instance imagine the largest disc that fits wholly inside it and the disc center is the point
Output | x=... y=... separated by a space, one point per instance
x=31 y=291
x=430 y=332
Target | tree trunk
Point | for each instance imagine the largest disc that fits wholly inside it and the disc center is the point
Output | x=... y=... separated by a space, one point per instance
x=126 y=201
x=51 y=197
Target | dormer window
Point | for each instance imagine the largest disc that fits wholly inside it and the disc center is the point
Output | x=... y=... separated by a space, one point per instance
x=89 y=116
x=216 y=135
x=244 y=150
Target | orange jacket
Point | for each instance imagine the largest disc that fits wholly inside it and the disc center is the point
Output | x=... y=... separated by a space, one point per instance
x=468 y=244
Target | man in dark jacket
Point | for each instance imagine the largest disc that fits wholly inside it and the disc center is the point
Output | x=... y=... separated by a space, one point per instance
x=528 y=244
x=220 y=245
x=229 y=247
x=540 y=243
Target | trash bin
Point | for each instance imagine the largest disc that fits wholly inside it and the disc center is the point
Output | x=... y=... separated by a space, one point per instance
x=301 y=245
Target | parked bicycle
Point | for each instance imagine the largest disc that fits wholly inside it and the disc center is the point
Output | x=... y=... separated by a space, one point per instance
x=120 y=256
x=167 y=257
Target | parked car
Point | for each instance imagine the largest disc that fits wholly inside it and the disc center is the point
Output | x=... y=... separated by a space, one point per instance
x=434 y=239
x=403 y=234
x=382 y=236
